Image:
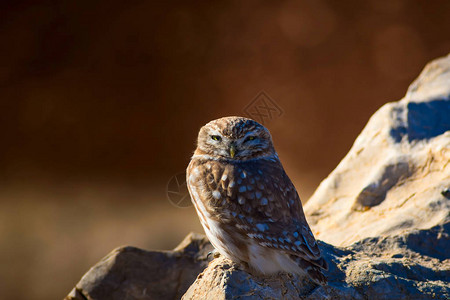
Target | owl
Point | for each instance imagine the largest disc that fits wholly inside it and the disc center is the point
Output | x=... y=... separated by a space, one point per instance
x=247 y=205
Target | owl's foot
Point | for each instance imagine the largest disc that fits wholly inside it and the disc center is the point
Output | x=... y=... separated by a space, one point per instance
x=214 y=253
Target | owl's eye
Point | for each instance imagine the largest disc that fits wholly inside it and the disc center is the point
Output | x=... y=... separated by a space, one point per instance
x=216 y=138
x=250 y=138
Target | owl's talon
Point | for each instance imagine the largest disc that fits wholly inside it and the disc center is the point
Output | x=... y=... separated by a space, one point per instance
x=214 y=253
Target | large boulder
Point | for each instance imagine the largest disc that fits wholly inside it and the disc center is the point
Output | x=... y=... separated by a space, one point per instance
x=396 y=174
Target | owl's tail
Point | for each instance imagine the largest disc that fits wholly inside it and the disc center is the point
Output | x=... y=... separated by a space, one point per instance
x=314 y=268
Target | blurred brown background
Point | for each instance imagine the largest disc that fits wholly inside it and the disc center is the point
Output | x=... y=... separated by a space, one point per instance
x=101 y=102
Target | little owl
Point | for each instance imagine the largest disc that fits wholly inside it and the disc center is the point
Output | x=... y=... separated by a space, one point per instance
x=248 y=206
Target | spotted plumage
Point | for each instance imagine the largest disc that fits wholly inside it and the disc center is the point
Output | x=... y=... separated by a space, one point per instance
x=248 y=206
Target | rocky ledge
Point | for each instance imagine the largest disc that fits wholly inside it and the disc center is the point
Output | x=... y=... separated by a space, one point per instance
x=382 y=217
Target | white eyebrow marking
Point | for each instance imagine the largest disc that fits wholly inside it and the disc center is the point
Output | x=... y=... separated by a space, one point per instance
x=214 y=132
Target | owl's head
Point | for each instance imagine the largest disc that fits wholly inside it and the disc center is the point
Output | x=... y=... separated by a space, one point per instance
x=236 y=138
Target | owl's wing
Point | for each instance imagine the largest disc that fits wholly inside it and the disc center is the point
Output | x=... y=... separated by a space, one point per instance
x=296 y=239
x=271 y=213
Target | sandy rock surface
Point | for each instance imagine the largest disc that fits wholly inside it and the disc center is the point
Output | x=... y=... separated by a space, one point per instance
x=395 y=176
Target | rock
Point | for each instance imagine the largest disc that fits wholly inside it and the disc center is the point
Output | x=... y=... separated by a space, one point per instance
x=132 y=273
x=395 y=176
x=224 y=280
x=395 y=267
x=383 y=214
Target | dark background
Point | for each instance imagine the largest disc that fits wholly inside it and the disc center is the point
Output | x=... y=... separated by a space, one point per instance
x=101 y=102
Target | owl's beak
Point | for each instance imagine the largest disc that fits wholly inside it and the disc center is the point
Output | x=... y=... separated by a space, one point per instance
x=232 y=150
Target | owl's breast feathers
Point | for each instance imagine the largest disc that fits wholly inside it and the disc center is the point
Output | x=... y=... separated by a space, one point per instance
x=255 y=199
